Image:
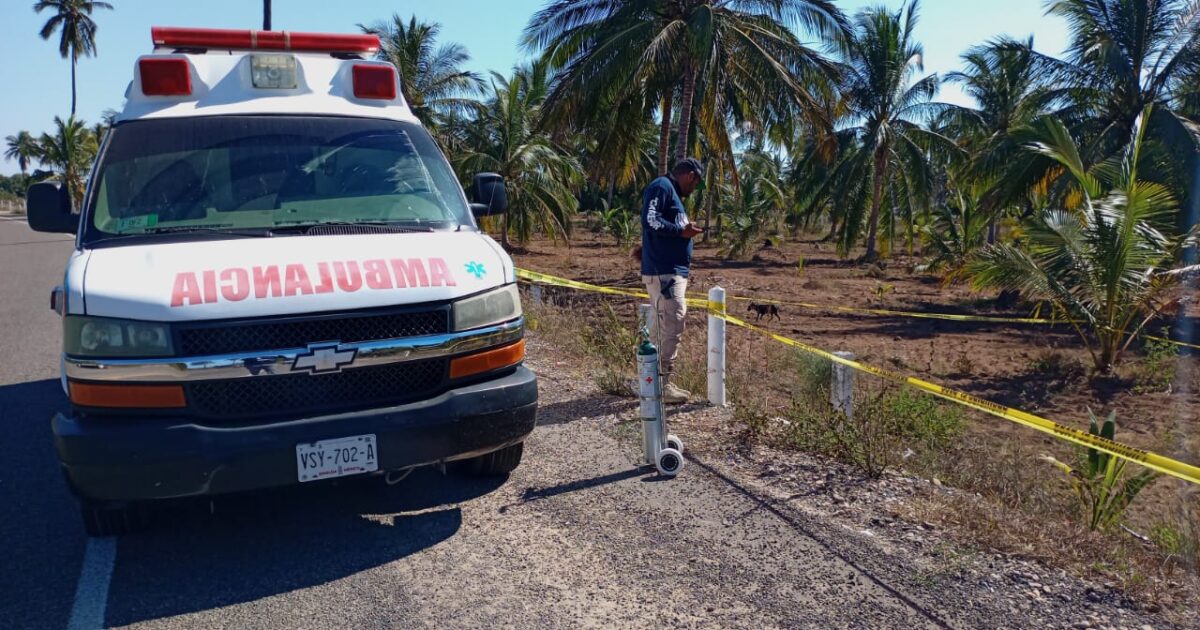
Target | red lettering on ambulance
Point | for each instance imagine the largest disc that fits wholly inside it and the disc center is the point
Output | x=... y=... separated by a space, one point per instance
x=235 y=285
x=187 y=289
x=439 y=273
x=410 y=273
x=376 y=274
x=349 y=278
x=210 y=287
x=296 y=281
x=326 y=285
x=266 y=281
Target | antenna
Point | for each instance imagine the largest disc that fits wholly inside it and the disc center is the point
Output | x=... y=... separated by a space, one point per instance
x=266 y=15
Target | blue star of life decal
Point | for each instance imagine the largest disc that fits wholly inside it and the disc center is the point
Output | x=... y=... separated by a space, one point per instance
x=476 y=269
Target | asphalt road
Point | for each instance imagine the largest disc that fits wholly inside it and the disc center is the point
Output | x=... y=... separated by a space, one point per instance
x=577 y=537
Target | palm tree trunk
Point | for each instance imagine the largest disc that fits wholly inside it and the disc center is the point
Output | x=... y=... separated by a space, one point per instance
x=708 y=208
x=685 y=113
x=876 y=192
x=504 y=232
x=664 y=133
x=72 y=83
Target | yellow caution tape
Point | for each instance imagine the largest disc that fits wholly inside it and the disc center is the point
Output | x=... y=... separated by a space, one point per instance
x=1157 y=462
x=700 y=301
x=533 y=276
x=888 y=313
x=1154 y=461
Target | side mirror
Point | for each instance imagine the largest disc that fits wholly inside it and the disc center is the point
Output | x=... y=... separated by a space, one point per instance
x=48 y=208
x=488 y=195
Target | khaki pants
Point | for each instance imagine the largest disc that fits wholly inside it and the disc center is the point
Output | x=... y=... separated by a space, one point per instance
x=668 y=296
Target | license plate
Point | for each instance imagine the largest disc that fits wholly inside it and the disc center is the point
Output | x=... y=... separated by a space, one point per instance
x=337 y=458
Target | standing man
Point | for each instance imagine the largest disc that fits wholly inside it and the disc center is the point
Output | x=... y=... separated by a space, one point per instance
x=666 y=257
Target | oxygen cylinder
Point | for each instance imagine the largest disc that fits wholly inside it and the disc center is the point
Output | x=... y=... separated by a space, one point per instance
x=650 y=393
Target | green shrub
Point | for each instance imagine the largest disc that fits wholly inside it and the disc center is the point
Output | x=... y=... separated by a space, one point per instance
x=882 y=425
x=1157 y=370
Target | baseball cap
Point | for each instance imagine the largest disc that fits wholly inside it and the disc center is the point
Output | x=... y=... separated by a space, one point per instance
x=689 y=164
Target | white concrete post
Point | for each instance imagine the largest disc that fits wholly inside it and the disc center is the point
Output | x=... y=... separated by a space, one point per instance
x=841 y=392
x=716 y=347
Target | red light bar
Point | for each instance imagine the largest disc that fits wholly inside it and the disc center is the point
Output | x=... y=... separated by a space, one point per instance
x=228 y=39
x=374 y=81
x=165 y=77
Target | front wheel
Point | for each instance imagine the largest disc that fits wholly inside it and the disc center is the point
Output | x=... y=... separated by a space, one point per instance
x=497 y=463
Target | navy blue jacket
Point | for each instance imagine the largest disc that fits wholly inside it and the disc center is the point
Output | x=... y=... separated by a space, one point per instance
x=664 y=251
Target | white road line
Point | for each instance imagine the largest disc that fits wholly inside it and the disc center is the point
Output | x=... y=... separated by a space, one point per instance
x=91 y=594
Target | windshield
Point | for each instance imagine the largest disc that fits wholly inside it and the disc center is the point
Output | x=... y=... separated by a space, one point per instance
x=270 y=173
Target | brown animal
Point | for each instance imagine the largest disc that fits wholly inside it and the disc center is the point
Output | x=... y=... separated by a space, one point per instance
x=763 y=310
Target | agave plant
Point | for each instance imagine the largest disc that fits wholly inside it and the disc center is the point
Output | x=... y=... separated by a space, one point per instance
x=1107 y=263
x=1099 y=481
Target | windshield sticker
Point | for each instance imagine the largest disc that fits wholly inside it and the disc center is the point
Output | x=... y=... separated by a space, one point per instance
x=139 y=222
x=235 y=284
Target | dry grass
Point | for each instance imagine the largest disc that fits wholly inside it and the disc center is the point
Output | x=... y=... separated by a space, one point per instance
x=1007 y=500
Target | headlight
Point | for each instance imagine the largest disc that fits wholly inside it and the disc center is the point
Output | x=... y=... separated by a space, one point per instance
x=104 y=337
x=486 y=309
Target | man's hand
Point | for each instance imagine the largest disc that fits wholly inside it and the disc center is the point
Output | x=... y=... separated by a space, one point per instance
x=691 y=230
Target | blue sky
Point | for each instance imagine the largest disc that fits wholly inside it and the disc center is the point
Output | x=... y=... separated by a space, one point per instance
x=38 y=80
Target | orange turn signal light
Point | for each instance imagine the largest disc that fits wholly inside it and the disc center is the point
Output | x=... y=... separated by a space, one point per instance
x=487 y=360
x=127 y=396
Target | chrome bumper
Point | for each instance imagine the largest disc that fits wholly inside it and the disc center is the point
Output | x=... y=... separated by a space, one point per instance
x=275 y=362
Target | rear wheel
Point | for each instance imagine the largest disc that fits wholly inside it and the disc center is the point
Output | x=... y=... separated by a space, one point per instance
x=112 y=519
x=496 y=463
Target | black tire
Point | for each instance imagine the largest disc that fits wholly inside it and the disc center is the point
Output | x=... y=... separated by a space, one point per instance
x=102 y=519
x=497 y=463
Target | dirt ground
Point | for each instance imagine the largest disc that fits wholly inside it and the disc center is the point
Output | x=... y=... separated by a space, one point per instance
x=1038 y=368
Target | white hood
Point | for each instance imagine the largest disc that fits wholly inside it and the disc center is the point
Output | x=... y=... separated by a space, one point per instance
x=256 y=277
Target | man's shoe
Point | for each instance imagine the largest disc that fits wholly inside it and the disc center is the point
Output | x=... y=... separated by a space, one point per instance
x=673 y=395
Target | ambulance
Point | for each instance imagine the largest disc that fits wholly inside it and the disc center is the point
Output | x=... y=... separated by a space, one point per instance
x=277 y=279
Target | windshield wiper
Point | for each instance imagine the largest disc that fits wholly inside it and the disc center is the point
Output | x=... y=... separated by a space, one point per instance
x=183 y=229
x=370 y=226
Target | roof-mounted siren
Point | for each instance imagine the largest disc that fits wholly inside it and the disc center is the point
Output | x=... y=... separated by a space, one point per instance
x=229 y=39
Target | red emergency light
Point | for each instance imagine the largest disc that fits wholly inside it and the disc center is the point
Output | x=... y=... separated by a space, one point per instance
x=374 y=81
x=229 y=39
x=165 y=77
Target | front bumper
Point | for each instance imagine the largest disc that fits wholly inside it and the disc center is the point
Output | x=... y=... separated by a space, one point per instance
x=109 y=458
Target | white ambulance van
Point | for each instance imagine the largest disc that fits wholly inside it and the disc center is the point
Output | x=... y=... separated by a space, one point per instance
x=277 y=279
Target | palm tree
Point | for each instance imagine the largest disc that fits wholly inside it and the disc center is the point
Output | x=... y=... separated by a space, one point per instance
x=69 y=153
x=23 y=148
x=608 y=49
x=1126 y=55
x=78 y=32
x=504 y=139
x=757 y=205
x=881 y=57
x=1107 y=266
x=1009 y=85
x=431 y=76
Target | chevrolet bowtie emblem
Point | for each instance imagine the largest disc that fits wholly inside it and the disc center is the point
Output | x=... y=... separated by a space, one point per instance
x=325 y=358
